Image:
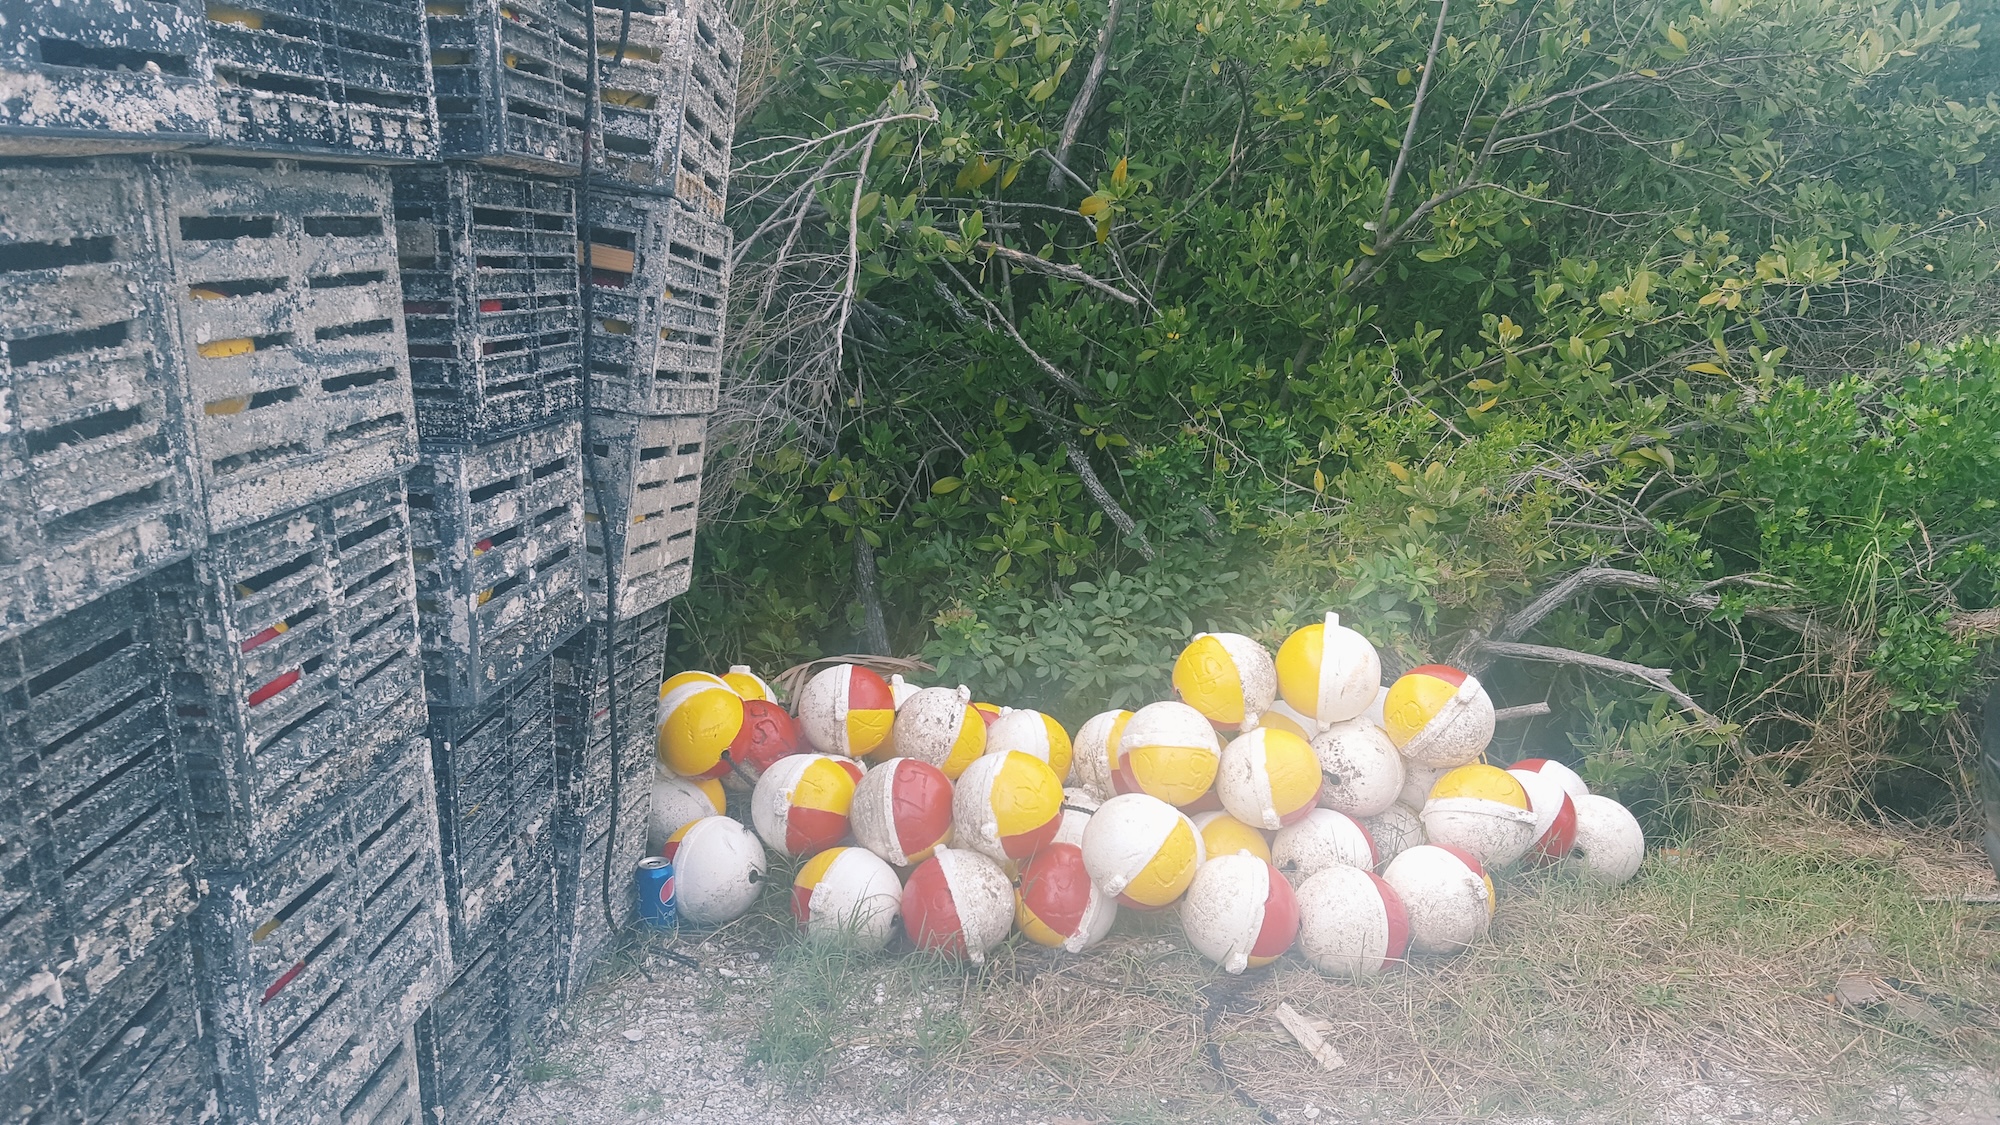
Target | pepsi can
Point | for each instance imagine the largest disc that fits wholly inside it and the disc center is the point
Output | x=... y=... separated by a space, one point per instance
x=653 y=887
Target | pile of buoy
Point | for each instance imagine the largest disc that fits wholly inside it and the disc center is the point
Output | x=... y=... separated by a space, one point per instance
x=1280 y=802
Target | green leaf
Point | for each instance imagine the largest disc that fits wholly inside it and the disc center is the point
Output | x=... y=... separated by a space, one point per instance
x=945 y=485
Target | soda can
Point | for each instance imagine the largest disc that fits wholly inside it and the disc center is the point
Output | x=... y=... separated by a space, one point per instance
x=653 y=887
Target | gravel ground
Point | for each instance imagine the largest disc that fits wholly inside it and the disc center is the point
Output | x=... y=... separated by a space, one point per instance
x=662 y=1038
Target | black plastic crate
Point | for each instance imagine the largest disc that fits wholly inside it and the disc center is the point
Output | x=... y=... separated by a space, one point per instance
x=583 y=709
x=512 y=77
x=647 y=472
x=35 y=983
x=79 y=77
x=580 y=858
x=293 y=668
x=291 y=331
x=499 y=551
x=315 y=965
x=90 y=495
x=489 y=295
x=661 y=284
x=349 y=78
x=98 y=797
x=535 y=994
x=133 y=1054
x=389 y=1095
x=669 y=100
x=273 y=958
x=464 y=1043
x=495 y=770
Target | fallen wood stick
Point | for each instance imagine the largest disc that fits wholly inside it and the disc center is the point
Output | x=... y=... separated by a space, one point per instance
x=1524 y=711
x=1302 y=1030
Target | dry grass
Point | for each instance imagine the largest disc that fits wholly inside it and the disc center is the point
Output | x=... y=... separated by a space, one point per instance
x=1713 y=971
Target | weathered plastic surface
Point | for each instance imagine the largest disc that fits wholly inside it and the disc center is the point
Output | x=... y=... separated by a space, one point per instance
x=313 y=966
x=283 y=280
x=669 y=102
x=499 y=552
x=661 y=277
x=489 y=291
x=85 y=76
x=91 y=497
x=496 y=778
x=128 y=1052
x=510 y=80
x=389 y=1095
x=349 y=78
x=647 y=471
x=495 y=1014
x=580 y=859
x=94 y=866
x=583 y=709
x=293 y=668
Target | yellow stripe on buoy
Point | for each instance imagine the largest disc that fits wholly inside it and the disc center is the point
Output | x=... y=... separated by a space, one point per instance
x=204 y=293
x=1169 y=870
x=1205 y=675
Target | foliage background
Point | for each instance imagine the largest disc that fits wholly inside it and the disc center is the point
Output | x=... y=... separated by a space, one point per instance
x=1406 y=309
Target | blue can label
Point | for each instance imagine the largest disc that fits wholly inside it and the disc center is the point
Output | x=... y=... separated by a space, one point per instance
x=653 y=890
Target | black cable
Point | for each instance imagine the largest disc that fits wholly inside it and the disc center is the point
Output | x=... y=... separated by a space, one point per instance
x=587 y=305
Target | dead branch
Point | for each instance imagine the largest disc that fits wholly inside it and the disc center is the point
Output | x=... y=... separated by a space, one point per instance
x=1605 y=577
x=1080 y=108
x=1524 y=711
x=1054 y=373
x=1416 y=112
x=928 y=114
x=1057 y=269
x=1661 y=679
x=847 y=289
x=1976 y=624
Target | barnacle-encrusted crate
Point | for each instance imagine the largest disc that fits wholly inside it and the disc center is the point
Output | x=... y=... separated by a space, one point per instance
x=583 y=709
x=646 y=472
x=511 y=78
x=496 y=778
x=669 y=98
x=94 y=853
x=294 y=674
x=85 y=76
x=283 y=278
x=314 y=965
x=90 y=495
x=489 y=291
x=349 y=78
x=499 y=554
x=660 y=283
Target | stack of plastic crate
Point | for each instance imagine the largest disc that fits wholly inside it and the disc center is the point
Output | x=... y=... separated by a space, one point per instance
x=488 y=266
x=667 y=87
x=512 y=79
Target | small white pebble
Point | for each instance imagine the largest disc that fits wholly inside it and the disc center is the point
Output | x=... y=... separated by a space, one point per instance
x=633 y=1034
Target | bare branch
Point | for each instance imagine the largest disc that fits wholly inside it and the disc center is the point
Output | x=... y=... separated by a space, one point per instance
x=1058 y=269
x=847 y=290
x=1080 y=108
x=1524 y=711
x=1661 y=679
x=1051 y=370
x=1605 y=577
x=876 y=124
x=1416 y=111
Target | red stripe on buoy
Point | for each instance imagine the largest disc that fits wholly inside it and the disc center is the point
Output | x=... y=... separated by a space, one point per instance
x=1465 y=857
x=808 y=831
x=1281 y=917
x=1021 y=845
x=919 y=804
x=1398 y=921
x=802 y=898
x=867 y=691
x=1056 y=888
x=1444 y=672
x=930 y=916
